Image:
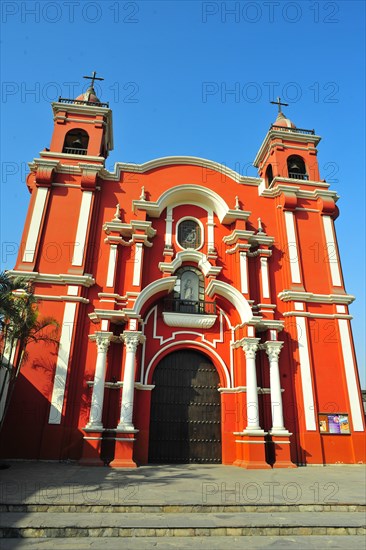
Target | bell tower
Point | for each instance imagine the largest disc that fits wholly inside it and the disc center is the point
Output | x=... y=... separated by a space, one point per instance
x=83 y=127
x=287 y=152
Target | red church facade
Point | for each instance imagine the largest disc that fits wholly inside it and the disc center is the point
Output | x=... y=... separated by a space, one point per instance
x=203 y=314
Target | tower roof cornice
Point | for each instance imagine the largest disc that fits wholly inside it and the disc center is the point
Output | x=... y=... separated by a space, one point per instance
x=297 y=135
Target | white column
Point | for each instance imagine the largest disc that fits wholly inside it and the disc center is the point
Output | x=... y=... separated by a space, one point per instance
x=96 y=409
x=273 y=350
x=250 y=346
x=131 y=340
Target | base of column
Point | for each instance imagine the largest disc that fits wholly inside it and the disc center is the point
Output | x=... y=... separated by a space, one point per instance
x=253 y=455
x=282 y=451
x=123 y=453
x=91 y=450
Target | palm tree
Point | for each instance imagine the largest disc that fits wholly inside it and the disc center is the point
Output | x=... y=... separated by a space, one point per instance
x=19 y=325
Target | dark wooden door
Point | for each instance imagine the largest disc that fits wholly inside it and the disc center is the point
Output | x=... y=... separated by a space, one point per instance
x=185 y=410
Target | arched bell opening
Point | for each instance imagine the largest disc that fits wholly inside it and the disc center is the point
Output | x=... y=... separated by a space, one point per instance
x=296 y=167
x=269 y=175
x=76 y=142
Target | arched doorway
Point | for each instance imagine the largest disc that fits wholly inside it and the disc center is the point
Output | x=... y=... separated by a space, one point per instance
x=185 y=420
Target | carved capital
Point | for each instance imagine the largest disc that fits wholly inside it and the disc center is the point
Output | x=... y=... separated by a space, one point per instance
x=250 y=346
x=273 y=350
x=131 y=340
x=103 y=340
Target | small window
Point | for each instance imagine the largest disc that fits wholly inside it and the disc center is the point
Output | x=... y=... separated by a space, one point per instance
x=189 y=234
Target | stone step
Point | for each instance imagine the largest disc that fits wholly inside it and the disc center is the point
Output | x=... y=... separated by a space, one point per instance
x=56 y=525
x=188 y=543
x=179 y=508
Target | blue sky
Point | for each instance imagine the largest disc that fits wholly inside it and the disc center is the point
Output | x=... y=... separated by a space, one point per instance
x=193 y=78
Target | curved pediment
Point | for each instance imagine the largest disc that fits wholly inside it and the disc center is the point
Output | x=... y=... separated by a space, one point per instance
x=185 y=160
x=197 y=195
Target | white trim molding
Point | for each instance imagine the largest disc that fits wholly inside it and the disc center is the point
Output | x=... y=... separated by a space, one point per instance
x=288 y=295
x=35 y=224
x=197 y=195
x=305 y=374
x=111 y=266
x=233 y=296
x=81 y=232
x=190 y=255
x=243 y=263
x=264 y=276
x=173 y=319
x=332 y=252
x=137 y=265
x=59 y=384
x=54 y=278
x=182 y=160
x=293 y=253
x=350 y=370
x=160 y=285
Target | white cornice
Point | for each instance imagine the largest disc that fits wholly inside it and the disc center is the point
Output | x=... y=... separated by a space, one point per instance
x=317 y=315
x=297 y=296
x=48 y=297
x=67 y=156
x=286 y=135
x=296 y=190
x=54 y=278
x=190 y=255
x=186 y=160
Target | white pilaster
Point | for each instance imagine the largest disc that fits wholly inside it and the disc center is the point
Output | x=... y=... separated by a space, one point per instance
x=273 y=350
x=59 y=385
x=264 y=277
x=96 y=409
x=35 y=224
x=243 y=263
x=80 y=239
x=350 y=370
x=305 y=370
x=250 y=346
x=131 y=340
x=137 y=266
x=210 y=230
x=168 y=226
x=111 y=265
x=293 y=253
x=332 y=253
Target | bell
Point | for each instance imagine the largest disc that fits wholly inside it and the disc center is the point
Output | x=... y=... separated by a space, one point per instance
x=294 y=167
x=77 y=144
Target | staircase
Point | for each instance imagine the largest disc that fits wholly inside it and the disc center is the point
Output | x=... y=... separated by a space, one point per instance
x=79 y=526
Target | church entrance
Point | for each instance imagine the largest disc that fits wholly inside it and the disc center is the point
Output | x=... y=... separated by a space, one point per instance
x=185 y=421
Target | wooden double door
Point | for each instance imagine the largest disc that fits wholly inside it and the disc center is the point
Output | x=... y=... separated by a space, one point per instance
x=185 y=420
